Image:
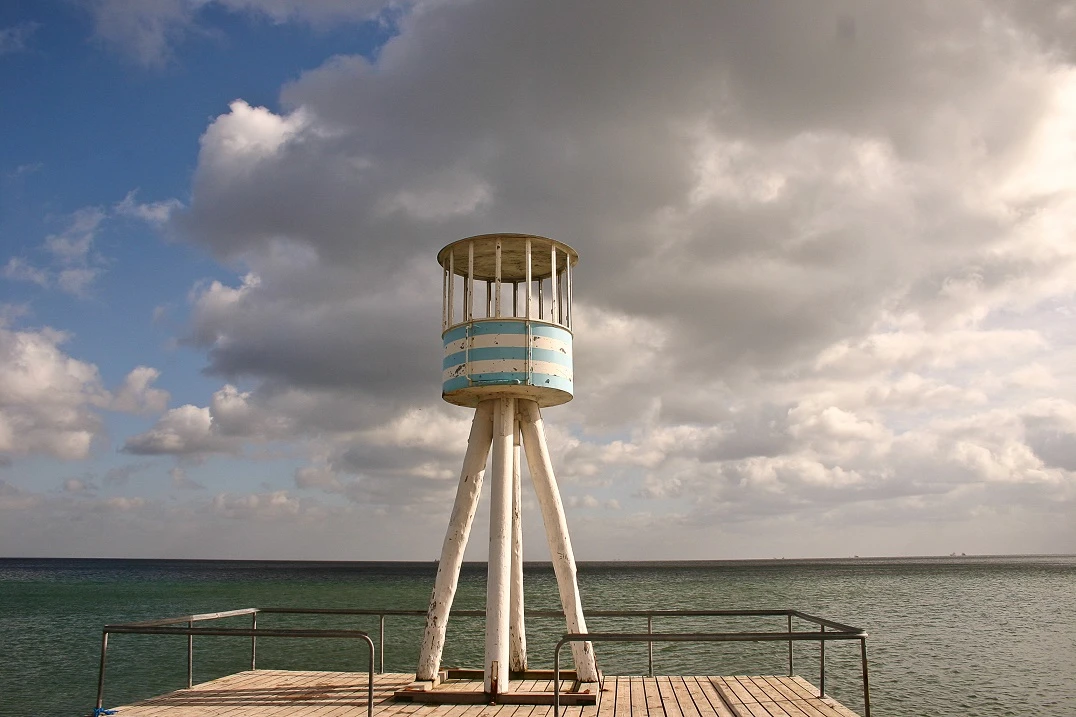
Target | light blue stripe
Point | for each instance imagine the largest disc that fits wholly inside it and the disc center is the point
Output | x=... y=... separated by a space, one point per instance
x=553 y=332
x=506 y=352
x=497 y=326
x=507 y=379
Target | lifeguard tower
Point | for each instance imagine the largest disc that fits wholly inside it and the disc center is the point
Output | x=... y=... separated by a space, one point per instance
x=506 y=325
x=507 y=330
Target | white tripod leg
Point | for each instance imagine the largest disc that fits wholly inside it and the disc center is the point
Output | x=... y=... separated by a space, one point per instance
x=459 y=528
x=556 y=530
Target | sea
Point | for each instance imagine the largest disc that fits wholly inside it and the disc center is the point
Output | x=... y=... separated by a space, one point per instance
x=960 y=636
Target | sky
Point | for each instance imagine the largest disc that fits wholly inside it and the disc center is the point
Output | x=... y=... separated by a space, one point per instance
x=824 y=305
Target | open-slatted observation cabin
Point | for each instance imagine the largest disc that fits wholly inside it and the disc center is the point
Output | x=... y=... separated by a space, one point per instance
x=507 y=318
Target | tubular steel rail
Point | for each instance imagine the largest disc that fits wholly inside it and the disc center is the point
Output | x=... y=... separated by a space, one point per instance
x=838 y=631
x=167 y=626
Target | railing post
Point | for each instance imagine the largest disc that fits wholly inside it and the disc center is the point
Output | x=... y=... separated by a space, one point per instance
x=370 y=685
x=190 y=655
x=791 y=665
x=866 y=685
x=822 y=664
x=101 y=674
x=381 y=642
x=254 y=642
x=649 y=647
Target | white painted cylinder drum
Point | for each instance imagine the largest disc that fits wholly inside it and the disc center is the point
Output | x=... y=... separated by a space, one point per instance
x=506 y=319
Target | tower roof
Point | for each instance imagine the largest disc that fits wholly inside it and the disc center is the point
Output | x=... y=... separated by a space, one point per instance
x=513 y=256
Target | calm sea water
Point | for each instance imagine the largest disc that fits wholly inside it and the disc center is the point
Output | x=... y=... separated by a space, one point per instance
x=964 y=636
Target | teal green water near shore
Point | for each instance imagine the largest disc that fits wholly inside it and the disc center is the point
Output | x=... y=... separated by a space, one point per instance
x=968 y=636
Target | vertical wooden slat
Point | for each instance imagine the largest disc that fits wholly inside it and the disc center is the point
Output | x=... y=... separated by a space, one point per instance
x=497 y=279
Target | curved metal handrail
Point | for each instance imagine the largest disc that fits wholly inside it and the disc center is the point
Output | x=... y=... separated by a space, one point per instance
x=163 y=627
x=838 y=631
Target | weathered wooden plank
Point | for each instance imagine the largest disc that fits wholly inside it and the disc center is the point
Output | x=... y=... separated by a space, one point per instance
x=738 y=697
x=775 y=701
x=806 y=705
x=755 y=700
x=805 y=687
x=714 y=698
x=667 y=693
x=801 y=698
x=638 y=698
x=606 y=706
x=622 y=704
x=694 y=693
x=344 y=695
x=654 y=707
x=684 y=699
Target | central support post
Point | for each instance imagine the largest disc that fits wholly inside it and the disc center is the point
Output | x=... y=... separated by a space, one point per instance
x=498 y=580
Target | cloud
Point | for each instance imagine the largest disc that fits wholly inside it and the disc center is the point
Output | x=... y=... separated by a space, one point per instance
x=16 y=38
x=18 y=270
x=186 y=430
x=825 y=254
x=145 y=30
x=121 y=475
x=78 y=485
x=150 y=30
x=182 y=481
x=73 y=266
x=71 y=263
x=260 y=506
x=50 y=402
x=136 y=394
x=153 y=213
x=47 y=398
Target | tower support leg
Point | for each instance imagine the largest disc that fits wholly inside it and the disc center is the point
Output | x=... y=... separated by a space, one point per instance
x=556 y=529
x=498 y=576
x=517 y=632
x=459 y=529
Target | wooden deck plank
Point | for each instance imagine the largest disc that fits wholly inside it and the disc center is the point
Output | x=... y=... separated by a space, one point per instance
x=234 y=681
x=669 y=701
x=606 y=706
x=806 y=688
x=654 y=706
x=686 y=688
x=693 y=695
x=637 y=699
x=778 y=686
x=738 y=697
x=807 y=696
x=774 y=701
x=167 y=704
x=622 y=704
x=283 y=693
x=810 y=691
x=717 y=702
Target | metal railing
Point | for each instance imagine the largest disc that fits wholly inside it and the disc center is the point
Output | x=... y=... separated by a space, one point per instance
x=167 y=627
x=838 y=631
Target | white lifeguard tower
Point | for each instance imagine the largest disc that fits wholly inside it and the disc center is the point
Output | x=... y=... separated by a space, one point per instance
x=506 y=326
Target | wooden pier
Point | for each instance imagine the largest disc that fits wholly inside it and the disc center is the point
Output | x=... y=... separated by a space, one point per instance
x=284 y=693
